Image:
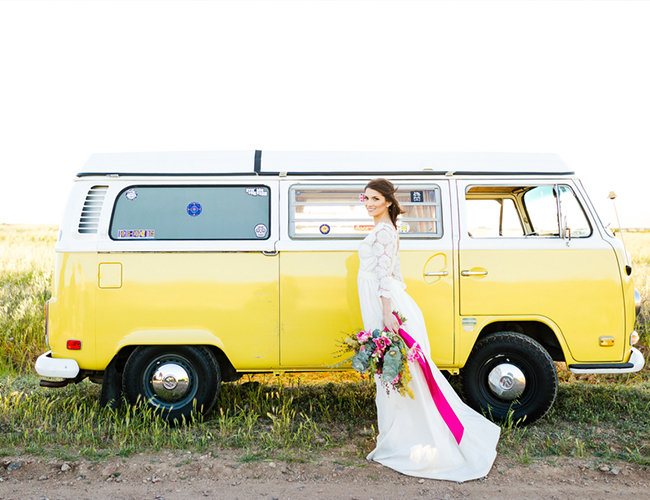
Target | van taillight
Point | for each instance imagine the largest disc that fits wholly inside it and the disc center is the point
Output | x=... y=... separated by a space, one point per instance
x=73 y=345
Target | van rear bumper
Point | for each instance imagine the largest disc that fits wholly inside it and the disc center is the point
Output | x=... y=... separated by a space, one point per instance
x=47 y=366
x=635 y=364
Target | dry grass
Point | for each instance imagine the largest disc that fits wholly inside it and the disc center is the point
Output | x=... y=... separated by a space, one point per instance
x=26 y=267
x=294 y=415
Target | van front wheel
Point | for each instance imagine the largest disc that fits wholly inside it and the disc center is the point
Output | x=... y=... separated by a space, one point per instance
x=172 y=380
x=509 y=371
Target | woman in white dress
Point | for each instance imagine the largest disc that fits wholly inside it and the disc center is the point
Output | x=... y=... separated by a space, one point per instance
x=414 y=438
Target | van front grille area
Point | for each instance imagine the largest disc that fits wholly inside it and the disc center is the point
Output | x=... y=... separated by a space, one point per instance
x=89 y=220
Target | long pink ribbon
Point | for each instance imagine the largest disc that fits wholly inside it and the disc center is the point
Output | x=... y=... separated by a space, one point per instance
x=439 y=399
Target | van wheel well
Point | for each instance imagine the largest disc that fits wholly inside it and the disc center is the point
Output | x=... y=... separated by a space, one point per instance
x=534 y=329
x=228 y=372
x=112 y=377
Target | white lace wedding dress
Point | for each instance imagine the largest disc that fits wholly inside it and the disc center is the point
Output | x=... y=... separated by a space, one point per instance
x=413 y=438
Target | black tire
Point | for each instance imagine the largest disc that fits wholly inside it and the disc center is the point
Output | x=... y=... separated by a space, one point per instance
x=171 y=394
x=529 y=358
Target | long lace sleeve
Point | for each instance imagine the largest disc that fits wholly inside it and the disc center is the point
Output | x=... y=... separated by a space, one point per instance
x=385 y=250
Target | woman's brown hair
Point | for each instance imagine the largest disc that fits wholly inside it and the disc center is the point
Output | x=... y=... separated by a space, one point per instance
x=387 y=190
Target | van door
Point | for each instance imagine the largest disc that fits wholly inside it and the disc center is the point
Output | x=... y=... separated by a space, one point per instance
x=530 y=249
x=192 y=264
x=319 y=304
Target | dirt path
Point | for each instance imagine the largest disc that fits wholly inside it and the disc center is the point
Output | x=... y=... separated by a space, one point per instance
x=167 y=476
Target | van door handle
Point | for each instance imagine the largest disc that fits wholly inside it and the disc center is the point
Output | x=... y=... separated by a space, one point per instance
x=441 y=273
x=473 y=273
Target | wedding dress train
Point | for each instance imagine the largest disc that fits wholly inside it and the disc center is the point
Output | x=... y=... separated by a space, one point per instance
x=413 y=437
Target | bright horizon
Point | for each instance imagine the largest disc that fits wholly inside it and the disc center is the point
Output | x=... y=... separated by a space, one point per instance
x=539 y=77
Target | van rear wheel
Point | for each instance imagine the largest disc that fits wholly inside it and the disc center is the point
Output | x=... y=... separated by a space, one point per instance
x=172 y=380
x=509 y=371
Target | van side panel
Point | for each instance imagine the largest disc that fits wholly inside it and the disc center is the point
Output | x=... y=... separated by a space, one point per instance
x=434 y=294
x=319 y=307
x=227 y=299
x=320 y=304
x=579 y=290
x=72 y=307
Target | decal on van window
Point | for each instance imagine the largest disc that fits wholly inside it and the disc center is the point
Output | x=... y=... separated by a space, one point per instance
x=417 y=196
x=257 y=191
x=324 y=229
x=131 y=194
x=261 y=230
x=404 y=227
x=136 y=233
x=364 y=227
x=194 y=209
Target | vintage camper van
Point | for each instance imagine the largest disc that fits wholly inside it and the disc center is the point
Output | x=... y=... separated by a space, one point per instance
x=176 y=272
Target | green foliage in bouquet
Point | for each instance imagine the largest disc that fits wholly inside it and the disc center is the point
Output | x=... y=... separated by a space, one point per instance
x=381 y=353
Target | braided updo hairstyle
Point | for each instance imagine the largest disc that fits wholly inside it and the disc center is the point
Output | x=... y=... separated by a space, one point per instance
x=387 y=190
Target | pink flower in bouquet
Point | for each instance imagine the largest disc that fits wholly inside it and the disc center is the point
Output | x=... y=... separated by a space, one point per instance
x=382 y=343
x=413 y=354
x=363 y=337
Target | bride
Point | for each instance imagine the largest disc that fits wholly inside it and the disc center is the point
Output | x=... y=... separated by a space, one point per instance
x=416 y=437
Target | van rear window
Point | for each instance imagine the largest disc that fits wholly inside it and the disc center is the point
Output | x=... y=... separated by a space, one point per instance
x=192 y=213
x=337 y=211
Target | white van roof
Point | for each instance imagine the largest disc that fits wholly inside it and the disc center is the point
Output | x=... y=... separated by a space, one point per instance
x=320 y=163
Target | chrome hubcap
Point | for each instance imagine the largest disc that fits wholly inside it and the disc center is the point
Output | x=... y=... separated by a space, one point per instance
x=170 y=381
x=507 y=381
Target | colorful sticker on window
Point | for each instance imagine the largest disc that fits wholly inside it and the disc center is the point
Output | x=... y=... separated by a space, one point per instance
x=417 y=196
x=363 y=227
x=404 y=227
x=257 y=192
x=324 y=229
x=194 y=209
x=136 y=233
x=131 y=194
x=261 y=230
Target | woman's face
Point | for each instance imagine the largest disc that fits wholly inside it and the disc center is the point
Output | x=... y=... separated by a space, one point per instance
x=376 y=204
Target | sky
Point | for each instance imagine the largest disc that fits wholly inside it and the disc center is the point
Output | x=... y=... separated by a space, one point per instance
x=566 y=77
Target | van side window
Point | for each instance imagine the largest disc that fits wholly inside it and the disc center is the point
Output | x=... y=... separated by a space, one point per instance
x=573 y=214
x=337 y=211
x=192 y=213
x=493 y=217
x=515 y=211
x=542 y=205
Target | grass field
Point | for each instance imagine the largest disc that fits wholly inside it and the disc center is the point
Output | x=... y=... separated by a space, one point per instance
x=290 y=416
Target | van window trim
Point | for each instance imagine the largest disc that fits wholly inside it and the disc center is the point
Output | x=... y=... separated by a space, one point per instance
x=135 y=186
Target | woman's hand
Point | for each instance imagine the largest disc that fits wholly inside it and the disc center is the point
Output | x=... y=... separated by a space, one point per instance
x=390 y=322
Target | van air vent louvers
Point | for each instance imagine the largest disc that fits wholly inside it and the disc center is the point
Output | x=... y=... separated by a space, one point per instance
x=89 y=220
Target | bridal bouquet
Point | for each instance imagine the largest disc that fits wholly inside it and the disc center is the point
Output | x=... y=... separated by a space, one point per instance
x=382 y=353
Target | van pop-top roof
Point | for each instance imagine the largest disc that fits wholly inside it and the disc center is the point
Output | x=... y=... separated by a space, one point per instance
x=320 y=163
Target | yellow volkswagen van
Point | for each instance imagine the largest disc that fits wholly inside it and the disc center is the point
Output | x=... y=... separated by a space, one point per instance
x=178 y=271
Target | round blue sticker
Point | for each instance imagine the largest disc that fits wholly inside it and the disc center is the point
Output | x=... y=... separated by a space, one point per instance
x=324 y=229
x=194 y=209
